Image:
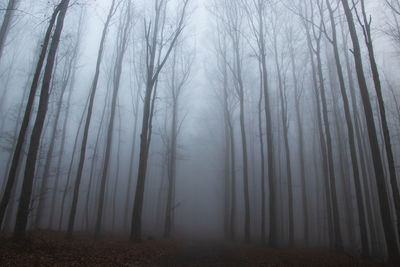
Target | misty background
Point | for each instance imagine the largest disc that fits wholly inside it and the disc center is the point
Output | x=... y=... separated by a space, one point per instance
x=212 y=77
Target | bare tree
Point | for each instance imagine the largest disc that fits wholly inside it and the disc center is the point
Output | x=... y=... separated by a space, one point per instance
x=388 y=226
x=122 y=41
x=65 y=79
x=25 y=121
x=23 y=207
x=156 y=58
x=356 y=175
x=181 y=63
x=365 y=23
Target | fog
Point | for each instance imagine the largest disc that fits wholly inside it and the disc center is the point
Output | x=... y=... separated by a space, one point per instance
x=242 y=120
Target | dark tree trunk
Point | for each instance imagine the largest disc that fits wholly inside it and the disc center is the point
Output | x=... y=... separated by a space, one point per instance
x=350 y=130
x=118 y=169
x=382 y=112
x=361 y=152
x=338 y=245
x=25 y=122
x=153 y=71
x=23 y=207
x=5 y=26
x=73 y=68
x=389 y=230
x=49 y=156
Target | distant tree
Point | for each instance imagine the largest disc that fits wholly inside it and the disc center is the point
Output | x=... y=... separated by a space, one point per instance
x=71 y=220
x=122 y=42
x=181 y=63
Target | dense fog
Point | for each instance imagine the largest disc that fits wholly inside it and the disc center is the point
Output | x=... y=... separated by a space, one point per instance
x=264 y=121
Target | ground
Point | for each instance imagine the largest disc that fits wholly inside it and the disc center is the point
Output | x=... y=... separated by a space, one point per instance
x=45 y=248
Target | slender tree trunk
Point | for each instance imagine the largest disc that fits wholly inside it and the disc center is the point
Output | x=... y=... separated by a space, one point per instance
x=171 y=170
x=322 y=141
x=350 y=130
x=118 y=168
x=270 y=142
x=71 y=219
x=6 y=24
x=25 y=122
x=301 y=147
x=244 y=142
x=382 y=112
x=389 y=230
x=338 y=243
x=153 y=70
x=73 y=68
x=361 y=152
x=285 y=128
x=23 y=207
x=49 y=157
x=71 y=163
x=132 y=157
x=122 y=41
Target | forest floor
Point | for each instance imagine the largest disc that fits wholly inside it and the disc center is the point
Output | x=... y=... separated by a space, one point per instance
x=46 y=248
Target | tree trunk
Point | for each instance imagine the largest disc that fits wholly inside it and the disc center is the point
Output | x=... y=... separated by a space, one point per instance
x=350 y=130
x=71 y=219
x=389 y=230
x=285 y=128
x=132 y=157
x=23 y=207
x=122 y=41
x=301 y=147
x=153 y=71
x=49 y=156
x=6 y=24
x=25 y=122
x=382 y=112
